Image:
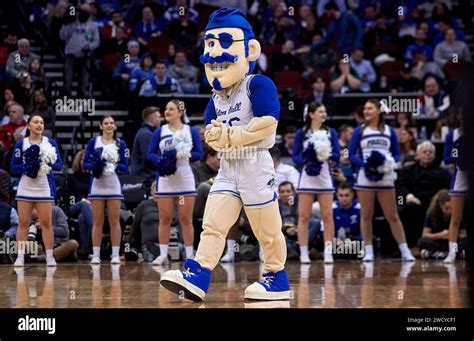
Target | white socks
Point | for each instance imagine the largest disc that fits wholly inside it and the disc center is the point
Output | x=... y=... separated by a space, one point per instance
x=96 y=251
x=230 y=246
x=406 y=253
x=115 y=251
x=304 y=251
x=368 y=254
x=453 y=247
x=189 y=252
x=163 y=250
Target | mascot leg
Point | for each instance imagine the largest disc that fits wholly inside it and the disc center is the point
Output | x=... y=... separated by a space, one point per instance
x=266 y=225
x=221 y=212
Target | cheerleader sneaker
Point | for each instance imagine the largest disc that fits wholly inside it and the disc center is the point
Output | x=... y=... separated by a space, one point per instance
x=450 y=258
x=368 y=257
x=161 y=260
x=228 y=258
x=408 y=257
x=274 y=286
x=192 y=282
x=328 y=259
x=20 y=262
x=95 y=259
x=50 y=262
x=304 y=259
x=115 y=259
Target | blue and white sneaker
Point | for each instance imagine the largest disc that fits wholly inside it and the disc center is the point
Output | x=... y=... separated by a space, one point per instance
x=193 y=282
x=274 y=286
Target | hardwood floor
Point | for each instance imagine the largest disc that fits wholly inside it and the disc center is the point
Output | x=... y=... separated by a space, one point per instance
x=346 y=284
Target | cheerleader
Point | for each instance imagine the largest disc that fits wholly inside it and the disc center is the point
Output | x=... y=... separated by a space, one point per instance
x=106 y=156
x=34 y=157
x=459 y=184
x=173 y=146
x=315 y=146
x=375 y=178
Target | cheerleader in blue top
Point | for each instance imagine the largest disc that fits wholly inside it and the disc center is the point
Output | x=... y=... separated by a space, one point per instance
x=34 y=158
x=316 y=146
x=374 y=149
x=453 y=154
x=105 y=157
x=173 y=146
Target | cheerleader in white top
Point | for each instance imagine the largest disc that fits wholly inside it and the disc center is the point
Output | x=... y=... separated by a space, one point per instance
x=315 y=147
x=374 y=149
x=173 y=146
x=106 y=156
x=34 y=158
x=453 y=154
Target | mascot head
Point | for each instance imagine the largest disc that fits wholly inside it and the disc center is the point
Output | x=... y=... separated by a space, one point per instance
x=230 y=48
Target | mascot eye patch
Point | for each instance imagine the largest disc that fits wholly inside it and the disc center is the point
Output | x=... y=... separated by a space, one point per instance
x=225 y=39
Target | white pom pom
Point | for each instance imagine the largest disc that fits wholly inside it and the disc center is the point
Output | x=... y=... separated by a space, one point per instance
x=183 y=144
x=47 y=156
x=110 y=155
x=388 y=168
x=322 y=145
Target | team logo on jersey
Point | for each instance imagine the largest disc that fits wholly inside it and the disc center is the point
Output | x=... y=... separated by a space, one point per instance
x=377 y=142
x=353 y=219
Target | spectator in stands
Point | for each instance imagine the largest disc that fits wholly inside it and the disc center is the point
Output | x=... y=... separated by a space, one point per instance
x=97 y=16
x=443 y=27
x=184 y=73
x=345 y=79
x=434 y=239
x=64 y=247
x=307 y=27
x=422 y=68
x=417 y=184
x=148 y=27
x=451 y=49
x=183 y=32
x=77 y=189
x=6 y=185
x=38 y=77
x=280 y=29
x=141 y=73
x=7 y=46
x=407 y=143
x=115 y=45
x=321 y=95
x=364 y=69
x=319 y=59
x=288 y=206
x=8 y=96
x=124 y=68
x=160 y=83
x=173 y=14
x=434 y=101
x=24 y=87
x=344 y=133
x=420 y=45
x=283 y=172
x=7 y=131
x=286 y=147
x=344 y=27
x=140 y=166
x=110 y=29
x=82 y=38
x=343 y=172
x=382 y=33
x=286 y=60
x=404 y=120
x=40 y=106
x=209 y=168
x=8 y=220
x=19 y=60
x=346 y=211
x=405 y=82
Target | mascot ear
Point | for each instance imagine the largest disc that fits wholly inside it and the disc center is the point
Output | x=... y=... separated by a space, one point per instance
x=254 y=50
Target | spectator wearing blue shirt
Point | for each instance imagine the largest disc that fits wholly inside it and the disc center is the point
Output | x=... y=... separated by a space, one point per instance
x=344 y=27
x=8 y=220
x=141 y=73
x=346 y=211
x=124 y=68
x=160 y=82
x=148 y=27
x=364 y=69
x=419 y=45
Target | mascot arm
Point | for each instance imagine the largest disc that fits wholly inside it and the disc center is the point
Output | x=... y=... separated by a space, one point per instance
x=257 y=129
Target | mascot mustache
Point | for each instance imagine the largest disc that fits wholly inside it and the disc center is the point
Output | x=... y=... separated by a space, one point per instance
x=225 y=57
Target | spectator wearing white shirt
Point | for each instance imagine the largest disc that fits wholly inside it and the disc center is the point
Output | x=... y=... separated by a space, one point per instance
x=451 y=49
x=283 y=172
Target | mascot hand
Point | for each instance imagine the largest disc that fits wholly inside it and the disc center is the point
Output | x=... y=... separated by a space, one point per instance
x=217 y=135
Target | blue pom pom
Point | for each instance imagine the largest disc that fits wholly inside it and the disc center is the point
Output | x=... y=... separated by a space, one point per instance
x=309 y=154
x=98 y=163
x=167 y=165
x=314 y=168
x=375 y=160
x=32 y=161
